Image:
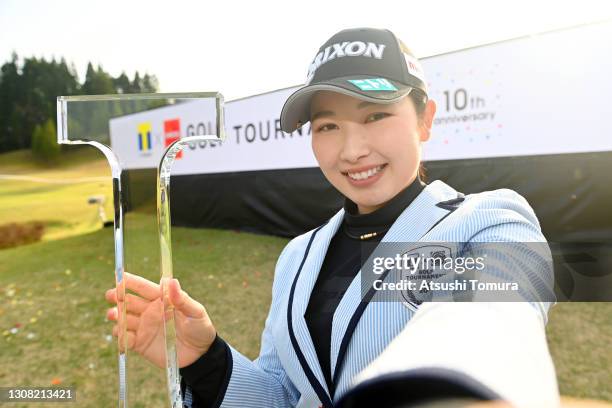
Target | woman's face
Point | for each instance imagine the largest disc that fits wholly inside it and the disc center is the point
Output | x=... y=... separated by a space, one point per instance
x=369 y=152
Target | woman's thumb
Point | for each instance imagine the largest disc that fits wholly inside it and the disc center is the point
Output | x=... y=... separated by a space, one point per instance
x=176 y=292
x=183 y=302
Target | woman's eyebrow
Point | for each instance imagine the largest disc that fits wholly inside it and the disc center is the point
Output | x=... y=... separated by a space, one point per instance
x=321 y=114
x=365 y=104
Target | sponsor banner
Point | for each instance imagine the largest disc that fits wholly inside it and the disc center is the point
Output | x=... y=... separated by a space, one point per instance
x=254 y=140
x=545 y=94
x=538 y=95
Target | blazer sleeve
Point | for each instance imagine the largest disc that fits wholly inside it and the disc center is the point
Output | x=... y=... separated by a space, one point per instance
x=259 y=383
x=515 y=248
x=487 y=350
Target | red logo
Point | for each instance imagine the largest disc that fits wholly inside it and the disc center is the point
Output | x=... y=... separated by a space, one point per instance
x=172 y=132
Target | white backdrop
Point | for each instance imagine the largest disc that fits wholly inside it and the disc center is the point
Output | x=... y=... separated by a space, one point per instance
x=546 y=94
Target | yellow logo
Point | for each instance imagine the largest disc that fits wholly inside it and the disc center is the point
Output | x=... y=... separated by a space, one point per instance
x=144 y=136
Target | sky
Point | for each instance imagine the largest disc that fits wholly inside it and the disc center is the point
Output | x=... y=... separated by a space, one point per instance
x=250 y=47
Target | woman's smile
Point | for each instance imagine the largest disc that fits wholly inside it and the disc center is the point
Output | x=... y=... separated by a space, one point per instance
x=365 y=176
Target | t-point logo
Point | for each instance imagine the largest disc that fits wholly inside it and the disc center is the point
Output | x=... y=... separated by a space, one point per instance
x=144 y=137
x=172 y=132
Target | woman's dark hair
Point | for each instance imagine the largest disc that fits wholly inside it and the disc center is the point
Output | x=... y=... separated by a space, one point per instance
x=419 y=99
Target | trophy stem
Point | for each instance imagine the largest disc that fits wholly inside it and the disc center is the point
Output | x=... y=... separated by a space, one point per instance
x=163 y=218
x=118 y=230
x=163 y=213
x=118 y=200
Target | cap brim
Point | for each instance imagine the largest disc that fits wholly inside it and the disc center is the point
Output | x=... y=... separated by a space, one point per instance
x=297 y=107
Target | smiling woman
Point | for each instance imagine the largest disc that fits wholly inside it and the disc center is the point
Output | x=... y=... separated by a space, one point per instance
x=326 y=343
x=369 y=152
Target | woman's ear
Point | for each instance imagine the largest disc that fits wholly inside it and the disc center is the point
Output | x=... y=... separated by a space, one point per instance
x=427 y=121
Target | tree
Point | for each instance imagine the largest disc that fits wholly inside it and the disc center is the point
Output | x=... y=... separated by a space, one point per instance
x=11 y=98
x=149 y=83
x=29 y=89
x=44 y=142
x=37 y=141
x=98 y=82
x=28 y=93
x=136 y=86
x=122 y=83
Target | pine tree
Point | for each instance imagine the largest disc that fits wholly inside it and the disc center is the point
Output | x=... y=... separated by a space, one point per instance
x=136 y=83
x=150 y=83
x=122 y=83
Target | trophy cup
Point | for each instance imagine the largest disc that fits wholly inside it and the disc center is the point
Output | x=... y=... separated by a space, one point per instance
x=122 y=126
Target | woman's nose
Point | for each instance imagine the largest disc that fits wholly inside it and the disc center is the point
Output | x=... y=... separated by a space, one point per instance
x=355 y=145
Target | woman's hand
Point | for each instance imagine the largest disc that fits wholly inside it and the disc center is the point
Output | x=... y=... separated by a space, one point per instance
x=145 y=332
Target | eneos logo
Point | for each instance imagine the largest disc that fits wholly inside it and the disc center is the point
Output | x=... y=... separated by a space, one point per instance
x=172 y=132
x=144 y=137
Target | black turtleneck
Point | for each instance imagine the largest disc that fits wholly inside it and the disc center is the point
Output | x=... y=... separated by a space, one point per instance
x=342 y=262
x=208 y=377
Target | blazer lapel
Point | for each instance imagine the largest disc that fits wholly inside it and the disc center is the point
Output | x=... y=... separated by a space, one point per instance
x=303 y=288
x=412 y=224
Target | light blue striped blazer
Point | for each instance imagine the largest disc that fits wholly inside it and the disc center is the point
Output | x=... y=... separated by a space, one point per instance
x=287 y=372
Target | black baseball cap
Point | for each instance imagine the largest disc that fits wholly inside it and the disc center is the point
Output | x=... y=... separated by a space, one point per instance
x=366 y=63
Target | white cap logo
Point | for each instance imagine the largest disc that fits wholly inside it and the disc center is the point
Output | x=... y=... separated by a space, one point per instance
x=345 y=49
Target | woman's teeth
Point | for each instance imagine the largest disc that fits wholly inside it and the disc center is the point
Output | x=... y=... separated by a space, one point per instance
x=365 y=174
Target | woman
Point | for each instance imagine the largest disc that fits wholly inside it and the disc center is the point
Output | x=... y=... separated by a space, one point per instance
x=366 y=99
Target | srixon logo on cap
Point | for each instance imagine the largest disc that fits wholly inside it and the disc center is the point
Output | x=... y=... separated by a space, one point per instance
x=345 y=49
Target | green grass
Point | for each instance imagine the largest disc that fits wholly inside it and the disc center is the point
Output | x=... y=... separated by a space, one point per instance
x=22 y=161
x=70 y=329
x=580 y=341
x=55 y=291
x=62 y=208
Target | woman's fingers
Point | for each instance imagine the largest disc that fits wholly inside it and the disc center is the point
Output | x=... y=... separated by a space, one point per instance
x=111 y=295
x=133 y=321
x=131 y=339
x=131 y=336
x=183 y=302
x=133 y=303
x=144 y=287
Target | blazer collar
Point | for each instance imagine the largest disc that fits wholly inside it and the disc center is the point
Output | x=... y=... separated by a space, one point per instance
x=414 y=222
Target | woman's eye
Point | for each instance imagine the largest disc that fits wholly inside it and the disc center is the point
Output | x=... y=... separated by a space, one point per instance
x=376 y=116
x=326 y=127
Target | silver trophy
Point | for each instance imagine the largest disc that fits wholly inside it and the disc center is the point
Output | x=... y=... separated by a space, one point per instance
x=122 y=127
